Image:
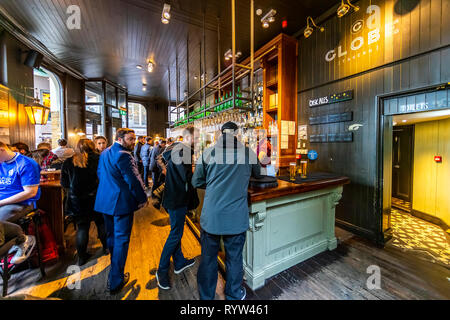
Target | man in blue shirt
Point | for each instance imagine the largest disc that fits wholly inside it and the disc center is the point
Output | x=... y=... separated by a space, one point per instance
x=120 y=193
x=19 y=191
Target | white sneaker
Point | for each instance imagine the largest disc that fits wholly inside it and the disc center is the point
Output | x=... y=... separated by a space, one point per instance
x=24 y=250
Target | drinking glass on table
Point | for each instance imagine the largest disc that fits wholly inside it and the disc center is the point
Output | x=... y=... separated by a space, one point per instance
x=304 y=165
x=292 y=171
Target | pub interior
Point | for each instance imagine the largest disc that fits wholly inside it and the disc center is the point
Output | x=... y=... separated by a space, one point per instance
x=346 y=105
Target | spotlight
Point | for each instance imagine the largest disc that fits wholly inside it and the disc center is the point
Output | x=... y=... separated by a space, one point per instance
x=309 y=30
x=258 y=12
x=139 y=67
x=165 y=16
x=144 y=87
x=268 y=18
x=151 y=66
x=344 y=8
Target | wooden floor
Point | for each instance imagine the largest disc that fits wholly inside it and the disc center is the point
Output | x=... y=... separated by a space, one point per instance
x=338 y=274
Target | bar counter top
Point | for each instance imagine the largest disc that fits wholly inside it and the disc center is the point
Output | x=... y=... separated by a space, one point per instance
x=287 y=188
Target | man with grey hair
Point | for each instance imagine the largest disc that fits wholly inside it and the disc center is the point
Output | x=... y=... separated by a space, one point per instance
x=225 y=169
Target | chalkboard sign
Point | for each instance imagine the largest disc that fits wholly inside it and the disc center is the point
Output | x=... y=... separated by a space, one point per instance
x=332 y=137
x=333 y=98
x=331 y=118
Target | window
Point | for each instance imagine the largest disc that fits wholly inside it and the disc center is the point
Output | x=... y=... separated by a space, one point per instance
x=137 y=118
x=48 y=90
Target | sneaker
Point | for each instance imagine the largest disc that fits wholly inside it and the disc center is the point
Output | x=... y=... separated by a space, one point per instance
x=163 y=282
x=187 y=264
x=126 y=278
x=23 y=251
x=244 y=293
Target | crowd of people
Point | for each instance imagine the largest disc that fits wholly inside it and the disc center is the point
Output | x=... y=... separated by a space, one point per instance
x=106 y=185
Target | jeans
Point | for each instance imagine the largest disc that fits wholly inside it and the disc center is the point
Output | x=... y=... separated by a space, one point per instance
x=13 y=212
x=9 y=231
x=156 y=180
x=146 y=171
x=118 y=232
x=207 y=271
x=83 y=226
x=172 y=248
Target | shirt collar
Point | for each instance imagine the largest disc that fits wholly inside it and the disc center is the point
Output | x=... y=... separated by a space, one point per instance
x=13 y=159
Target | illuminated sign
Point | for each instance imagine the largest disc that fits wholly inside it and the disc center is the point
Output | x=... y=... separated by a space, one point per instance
x=334 y=98
x=366 y=40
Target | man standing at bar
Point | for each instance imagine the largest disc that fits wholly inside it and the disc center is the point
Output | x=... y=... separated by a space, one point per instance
x=154 y=168
x=179 y=197
x=146 y=151
x=225 y=169
x=137 y=154
x=120 y=193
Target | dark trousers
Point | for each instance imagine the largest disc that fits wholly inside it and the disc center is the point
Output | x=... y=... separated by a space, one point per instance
x=83 y=226
x=10 y=231
x=118 y=232
x=156 y=180
x=207 y=271
x=146 y=172
x=141 y=169
x=172 y=247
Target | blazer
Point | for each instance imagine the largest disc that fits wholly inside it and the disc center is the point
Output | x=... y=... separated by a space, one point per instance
x=120 y=190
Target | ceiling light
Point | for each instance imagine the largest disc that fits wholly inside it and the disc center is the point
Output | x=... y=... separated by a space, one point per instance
x=271 y=19
x=195 y=77
x=404 y=121
x=268 y=18
x=151 y=66
x=395 y=123
x=139 y=66
x=309 y=30
x=165 y=16
x=265 y=24
x=344 y=8
x=258 y=12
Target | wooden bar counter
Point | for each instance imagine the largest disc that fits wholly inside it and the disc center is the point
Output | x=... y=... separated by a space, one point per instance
x=289 y=224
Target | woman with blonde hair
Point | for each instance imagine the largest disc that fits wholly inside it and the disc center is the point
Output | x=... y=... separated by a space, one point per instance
x=79 y=177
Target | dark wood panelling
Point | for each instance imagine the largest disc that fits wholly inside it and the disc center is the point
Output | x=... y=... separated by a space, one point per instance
x=359 y=207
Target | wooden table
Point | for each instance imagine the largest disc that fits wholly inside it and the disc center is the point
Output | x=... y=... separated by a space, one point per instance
x=51 y=202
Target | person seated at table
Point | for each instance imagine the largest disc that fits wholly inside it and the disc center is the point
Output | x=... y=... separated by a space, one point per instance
x=79 y=177
x=63 y=152
x=24 y=244
x=19 y=184
x=49 y=158
x=100 y=143
x=22 y=148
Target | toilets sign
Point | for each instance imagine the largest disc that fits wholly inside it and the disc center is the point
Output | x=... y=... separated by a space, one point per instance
x=366 y=35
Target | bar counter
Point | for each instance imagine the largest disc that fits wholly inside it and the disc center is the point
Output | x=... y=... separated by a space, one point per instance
x=288 y=224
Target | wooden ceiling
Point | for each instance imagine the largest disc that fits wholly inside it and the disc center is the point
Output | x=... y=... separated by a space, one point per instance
x=117 y=35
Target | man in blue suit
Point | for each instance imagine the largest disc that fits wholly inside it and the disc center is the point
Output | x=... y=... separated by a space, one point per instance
x=120 y=193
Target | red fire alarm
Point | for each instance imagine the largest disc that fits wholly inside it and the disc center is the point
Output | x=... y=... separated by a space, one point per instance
x=284 y=24
x=438 y=159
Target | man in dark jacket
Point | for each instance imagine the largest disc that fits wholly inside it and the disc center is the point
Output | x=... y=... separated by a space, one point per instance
x=137 y=154
x=154 y=168
x=225 y=169
x=146 y=151
x=179 y=197
x=120 y=193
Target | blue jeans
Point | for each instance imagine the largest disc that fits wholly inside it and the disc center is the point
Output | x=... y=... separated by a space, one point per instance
x=172 y=248
x=146 y=171
x=207 y=271
x=118 y=232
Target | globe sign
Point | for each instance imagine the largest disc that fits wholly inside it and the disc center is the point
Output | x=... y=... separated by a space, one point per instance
x=312 y=155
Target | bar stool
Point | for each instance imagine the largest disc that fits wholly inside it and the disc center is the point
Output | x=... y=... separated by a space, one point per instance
x=5 y=270
x=35 y=217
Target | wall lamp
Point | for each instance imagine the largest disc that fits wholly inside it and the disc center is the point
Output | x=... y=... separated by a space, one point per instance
x=37 y=113
x=344 y=8
x=165 y=16
x=269 y=17
x=309 y=30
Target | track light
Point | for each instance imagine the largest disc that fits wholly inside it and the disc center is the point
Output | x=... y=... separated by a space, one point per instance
x=139 y=67
x=229 y=54
x=309 y=30
x=269 y=17
x=344 y=8
x=165 y=16
x=150 y=66
x=144 y=87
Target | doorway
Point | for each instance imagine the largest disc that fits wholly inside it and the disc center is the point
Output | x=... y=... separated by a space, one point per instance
x=416 y=167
